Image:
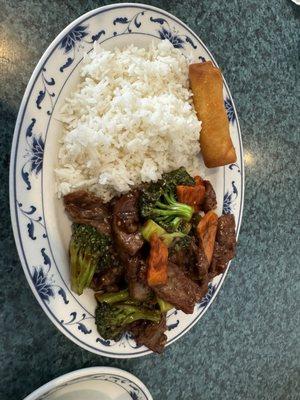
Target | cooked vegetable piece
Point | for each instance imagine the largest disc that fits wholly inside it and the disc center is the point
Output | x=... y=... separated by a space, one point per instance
x=112 y=298
x=191 y=195
x=167 y=184
x=169 y=213
x=198 y=180
x=168 y=238
x=114 y=319
x=164 y=305
x=149 y=228
x=157 y=273
x=207 y=229
x=177 y=177
x=88 y=252
x=173 y=270
x=185 y=227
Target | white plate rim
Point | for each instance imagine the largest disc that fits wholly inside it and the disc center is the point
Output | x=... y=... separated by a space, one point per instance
x=42 y=60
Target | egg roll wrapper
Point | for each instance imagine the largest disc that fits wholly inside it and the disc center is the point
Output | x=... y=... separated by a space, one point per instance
x=207 y=86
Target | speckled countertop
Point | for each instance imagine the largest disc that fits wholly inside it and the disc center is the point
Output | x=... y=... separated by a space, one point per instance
x=247 y=345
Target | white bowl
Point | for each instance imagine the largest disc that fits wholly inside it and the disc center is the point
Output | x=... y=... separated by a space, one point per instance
x=96 y=383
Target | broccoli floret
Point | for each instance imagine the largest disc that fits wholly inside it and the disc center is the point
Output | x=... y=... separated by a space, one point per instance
x=168 y=238
x=113 y=317
x=169 y=213
x=167 y=184
x=151 y=227
x=112 y=298
x=164 y=305
x=178 y=177
x=185 y=227
x=88 y=253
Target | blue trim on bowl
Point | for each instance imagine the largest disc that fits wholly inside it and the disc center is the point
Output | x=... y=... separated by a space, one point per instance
x=136 y=387
x=99 y=376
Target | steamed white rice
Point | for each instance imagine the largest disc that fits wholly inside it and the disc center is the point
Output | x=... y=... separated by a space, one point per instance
x=130 y=119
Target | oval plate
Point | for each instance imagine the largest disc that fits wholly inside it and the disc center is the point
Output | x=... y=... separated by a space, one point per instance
x=41 y=229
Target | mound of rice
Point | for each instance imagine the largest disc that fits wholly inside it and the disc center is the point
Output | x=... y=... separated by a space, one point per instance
x=130 y=120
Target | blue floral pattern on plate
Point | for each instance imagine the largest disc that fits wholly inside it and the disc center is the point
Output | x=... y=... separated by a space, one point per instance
x=75 y=35
x=32 y=205
x=230 y=110
x=34 y=154
x=229 y=199
x=37 y=153
x=41 y=284
x=209 y=295
x=135 y=20
x=176 y=41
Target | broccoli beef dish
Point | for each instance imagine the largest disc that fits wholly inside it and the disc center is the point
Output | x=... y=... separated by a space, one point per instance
x=145 y=252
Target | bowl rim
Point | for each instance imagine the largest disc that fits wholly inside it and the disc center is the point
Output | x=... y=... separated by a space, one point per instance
x=85 y=372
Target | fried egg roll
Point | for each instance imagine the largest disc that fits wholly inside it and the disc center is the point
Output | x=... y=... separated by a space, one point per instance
x=207 y=87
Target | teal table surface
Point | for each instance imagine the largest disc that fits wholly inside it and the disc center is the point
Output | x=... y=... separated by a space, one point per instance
x=247 y=345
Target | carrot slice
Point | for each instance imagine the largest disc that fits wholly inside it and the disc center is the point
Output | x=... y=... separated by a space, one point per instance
x=198 y=180
x=191 y=195
x=207 y=230
x=157 y=273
